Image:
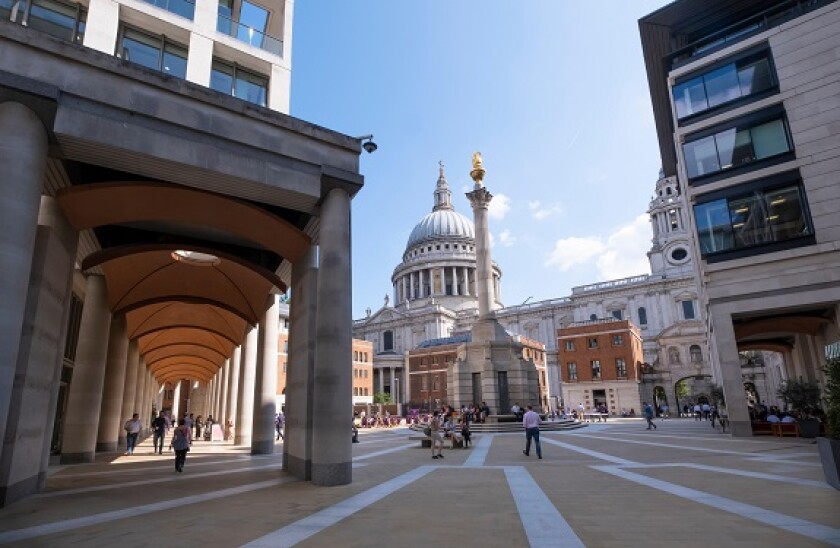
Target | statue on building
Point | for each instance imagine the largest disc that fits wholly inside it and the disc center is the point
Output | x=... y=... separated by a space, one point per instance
x=387 y=299
x=476 y=160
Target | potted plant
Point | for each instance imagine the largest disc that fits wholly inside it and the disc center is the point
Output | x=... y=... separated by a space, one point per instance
x=829 y=446
x=803 y=397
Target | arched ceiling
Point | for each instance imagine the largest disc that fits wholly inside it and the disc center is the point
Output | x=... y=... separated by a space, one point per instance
x=186 y=316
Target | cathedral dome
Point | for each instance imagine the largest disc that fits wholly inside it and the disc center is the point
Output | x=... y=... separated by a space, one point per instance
x=441 y=224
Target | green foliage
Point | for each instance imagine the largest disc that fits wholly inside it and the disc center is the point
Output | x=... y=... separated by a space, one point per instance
x=832 y=397
x=683 y=390
x=802 y=396
x=382 y=397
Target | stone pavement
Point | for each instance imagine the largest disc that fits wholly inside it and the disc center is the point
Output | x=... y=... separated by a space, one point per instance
x=612 y=484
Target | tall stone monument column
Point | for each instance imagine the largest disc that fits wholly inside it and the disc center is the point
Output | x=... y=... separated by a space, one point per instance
x=245 y=397
x=81 y=423
x=480 y=201
x=297 y=447
x=332 y=389
x=111 y=420
x=23 y=155
x=265 y=387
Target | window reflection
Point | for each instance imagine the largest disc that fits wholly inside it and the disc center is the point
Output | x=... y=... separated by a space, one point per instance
x=154 y=52
x=59 y=19
x=748 y=220
x=233 y=80
x=722 y=85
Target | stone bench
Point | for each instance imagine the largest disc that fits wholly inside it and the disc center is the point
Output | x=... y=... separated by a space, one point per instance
x=426 y=441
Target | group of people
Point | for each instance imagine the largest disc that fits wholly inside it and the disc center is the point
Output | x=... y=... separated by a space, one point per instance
x=444 y=424
x=181 y=435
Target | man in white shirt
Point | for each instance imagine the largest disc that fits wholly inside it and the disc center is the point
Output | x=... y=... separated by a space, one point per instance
x=531 y=422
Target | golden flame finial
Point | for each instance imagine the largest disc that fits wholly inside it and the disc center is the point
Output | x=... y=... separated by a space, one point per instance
x=478 y=171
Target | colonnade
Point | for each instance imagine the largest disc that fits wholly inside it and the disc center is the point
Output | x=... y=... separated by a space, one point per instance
x=396 y=390
x=435 y=282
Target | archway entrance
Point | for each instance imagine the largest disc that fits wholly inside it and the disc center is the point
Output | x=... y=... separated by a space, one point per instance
x=691 y=390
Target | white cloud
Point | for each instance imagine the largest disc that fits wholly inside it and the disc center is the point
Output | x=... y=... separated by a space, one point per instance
x=506 y=238
x=621 y=254
x=499 y=207
x=540 y=211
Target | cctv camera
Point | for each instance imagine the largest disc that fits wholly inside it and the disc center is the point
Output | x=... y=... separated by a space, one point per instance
x=369 y=146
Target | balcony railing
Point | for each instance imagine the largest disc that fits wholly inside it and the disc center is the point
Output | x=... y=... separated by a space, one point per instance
x=184 y=8
x=249 y=35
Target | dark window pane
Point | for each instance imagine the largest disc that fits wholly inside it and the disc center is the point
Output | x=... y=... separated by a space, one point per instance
x=749 y=220
x=701 y=157
x=713 y=226
x=221 y=78
x=56 y=19
x=755 y=77
x=688 y=310
x=251 y=87
x=253 y=16
x=642 y=316
x=175 y=61
x=690 y=98
x=786 y=214
x=734 y=148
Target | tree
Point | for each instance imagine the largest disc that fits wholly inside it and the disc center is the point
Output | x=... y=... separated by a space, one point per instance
x=683 y=390
x=382 y=397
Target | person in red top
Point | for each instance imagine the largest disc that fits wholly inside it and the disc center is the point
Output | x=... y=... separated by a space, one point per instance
x=531 y=422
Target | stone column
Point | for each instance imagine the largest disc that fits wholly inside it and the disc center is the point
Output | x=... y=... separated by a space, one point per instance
x=297 y=447
x=110 y=422
x=129 y=387
x=393 y=386
x=23 y=155
x=233 y=397
x=26 y=448
x=177 y=412
x=245 y=396
x=480 y=202
x=333 y=383
x=146 y=413
x=466 y=281
x=223 y=401
x=404 y=288
x=412 y=296
x=730 y=370
x=265 y=387
x=81 y=423
x=140 y=389
x=381 y=372
x=422 y=283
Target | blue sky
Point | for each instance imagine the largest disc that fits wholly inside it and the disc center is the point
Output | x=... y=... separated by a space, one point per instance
x=552 y=92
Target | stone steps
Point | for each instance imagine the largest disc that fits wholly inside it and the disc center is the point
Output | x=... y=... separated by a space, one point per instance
x=515 y=427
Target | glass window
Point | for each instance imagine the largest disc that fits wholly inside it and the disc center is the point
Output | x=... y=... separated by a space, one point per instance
x=154 y=52
x=593 y=317
x=695 y=353
x=232 y=80
x=593 y=342
x=688 y=310
x=184 y=8
x=596 y=370
x=620 y=368
x=742 y=78
x=221 y=78
x=572 y=371
x=617 y=314
x=701 y=157
x=617 y=340
x=642 y=315
x=388 y=340
x=65 y=21
x=570 y=345
x=747 y=220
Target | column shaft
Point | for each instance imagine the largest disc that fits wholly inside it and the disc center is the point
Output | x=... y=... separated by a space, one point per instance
x=265 y=387
x=23 y=155
x=223 y=417
x=333 y=383
x=130 y=386
x=233 y=385
x=245 y=397
x=81 y=423
x=110 y=422
x=140 y=391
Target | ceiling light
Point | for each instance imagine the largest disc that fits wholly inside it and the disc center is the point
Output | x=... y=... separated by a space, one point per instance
x=195 y=258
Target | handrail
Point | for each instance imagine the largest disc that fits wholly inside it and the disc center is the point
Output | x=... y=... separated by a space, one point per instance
x=249 y=35
x=184 y=8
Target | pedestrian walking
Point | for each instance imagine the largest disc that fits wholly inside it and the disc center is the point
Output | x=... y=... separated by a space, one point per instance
x=648 y=412
x=279 y=421
x=199 y=422
x=531 y=422
x=436 y=435
x=181 y=441
x=132 y=430
x=159 y=432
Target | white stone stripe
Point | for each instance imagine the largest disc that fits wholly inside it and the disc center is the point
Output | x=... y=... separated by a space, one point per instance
x=383 y=452
x=311 y=525
x=480 y=450
x=595 y=454
x=671 y=446
x=736 y=472
x=194 y=462
x=133 y=512
x=543 y=524
x=170 y=479
x=802 y=527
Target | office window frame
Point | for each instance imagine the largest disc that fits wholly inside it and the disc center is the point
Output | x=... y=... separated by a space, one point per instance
x=571 y=369
x=620 y=368
x=595 y=367
x=721 y=232
x=165 y=45
x=79 y=22
x=235 y=71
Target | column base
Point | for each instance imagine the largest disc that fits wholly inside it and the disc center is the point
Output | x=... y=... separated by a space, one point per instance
x=18 y=490
x=77 y=458
x=327 y=475
x=298 y=467
x=740 y=429
x=106 y=447
x=265 y=447
x=241 y=440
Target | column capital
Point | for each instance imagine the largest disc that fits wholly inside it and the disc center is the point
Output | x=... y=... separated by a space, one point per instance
x=479 y=198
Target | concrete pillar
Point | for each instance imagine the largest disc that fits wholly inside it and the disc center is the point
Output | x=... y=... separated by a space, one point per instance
x=421 y=283
x=297 y=447
x=177 y=412
x=146 y=413
x=404 y=288
x=129 y=386
x=23 y=155
x=265 y=385
x=466 y=281
x=140 y=391
x=81 y=423
x=103 y=35
x=455 y=280
x=333 y=383
x=480 y=202
x=110 y=422
x=381 y=372
x=393 y=385
x=26 y=447
x=233 y=385
x=245 y=396
x=223 y=401
x=730 y=370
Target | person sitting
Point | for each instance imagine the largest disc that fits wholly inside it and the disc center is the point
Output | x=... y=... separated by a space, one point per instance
x=772 y=418
x=787 y=419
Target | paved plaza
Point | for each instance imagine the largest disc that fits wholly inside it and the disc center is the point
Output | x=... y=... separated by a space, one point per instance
x=613 y=484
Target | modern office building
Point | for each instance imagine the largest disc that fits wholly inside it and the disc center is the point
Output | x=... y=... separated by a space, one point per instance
x=745 y=96
x=156 y=200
